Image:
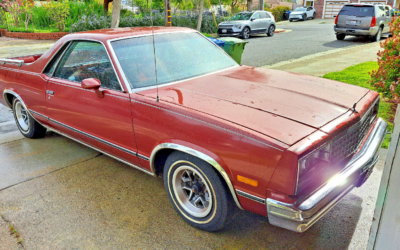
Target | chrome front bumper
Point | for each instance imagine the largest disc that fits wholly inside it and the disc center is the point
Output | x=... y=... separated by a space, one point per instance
x=302 y=215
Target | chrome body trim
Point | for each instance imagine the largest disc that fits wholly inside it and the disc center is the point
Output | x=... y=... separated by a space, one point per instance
x=250 y=196
x=143 y=157
x=313 y=151
x=165 y=84
x=303 y=214
x=199 y=155
x=101 y=151
x=11 y=61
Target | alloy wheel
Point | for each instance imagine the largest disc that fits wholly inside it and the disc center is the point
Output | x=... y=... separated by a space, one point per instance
x=246 y=33
x=192 y=191
x=379 y=35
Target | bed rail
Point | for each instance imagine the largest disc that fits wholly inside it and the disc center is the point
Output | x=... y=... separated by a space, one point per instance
x=11 y=61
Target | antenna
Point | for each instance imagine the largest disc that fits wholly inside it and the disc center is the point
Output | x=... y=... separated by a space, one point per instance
x=154 y=49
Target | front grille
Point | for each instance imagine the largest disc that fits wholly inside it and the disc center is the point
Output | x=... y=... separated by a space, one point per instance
x=228 y=31
x=346 y=143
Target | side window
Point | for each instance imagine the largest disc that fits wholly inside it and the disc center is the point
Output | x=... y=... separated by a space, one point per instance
x=49 y=70
x=263 y=15
x=381 y=11
x=256 y=15
x=387 y=12
x=268 y=16
x=87 y=60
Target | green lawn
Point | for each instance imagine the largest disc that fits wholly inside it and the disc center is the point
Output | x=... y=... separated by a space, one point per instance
x=358 y=75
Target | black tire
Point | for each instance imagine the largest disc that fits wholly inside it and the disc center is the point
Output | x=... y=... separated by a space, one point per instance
x=222 y=208
x=246 y=33
x=378 y=35
x=340 y=36
x=290 y=20
x=271 y=30
x=313 y=17
x=25 y=122
x=304 y=17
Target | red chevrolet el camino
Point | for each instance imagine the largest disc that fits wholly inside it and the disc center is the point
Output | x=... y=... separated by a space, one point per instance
x=222 y=136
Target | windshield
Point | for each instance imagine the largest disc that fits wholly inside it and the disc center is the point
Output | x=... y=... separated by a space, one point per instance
x=300 y=9
x=361 y=11
x=179 y=56
x=242 y=16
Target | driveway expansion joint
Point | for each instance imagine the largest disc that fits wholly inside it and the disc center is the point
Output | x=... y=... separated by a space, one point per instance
x=56 y=170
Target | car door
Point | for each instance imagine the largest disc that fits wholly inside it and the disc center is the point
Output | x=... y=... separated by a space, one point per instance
x=102 y=122
x=265 y=19
x=256 y=23
x=309 y=12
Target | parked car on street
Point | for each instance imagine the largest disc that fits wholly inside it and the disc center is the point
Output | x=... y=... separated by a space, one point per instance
x=366 y=20
x=302 y=13
x=247 y=23
x=222 y=136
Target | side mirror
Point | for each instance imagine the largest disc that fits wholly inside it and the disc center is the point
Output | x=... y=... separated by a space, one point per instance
x=252 y=19
x=92 y=83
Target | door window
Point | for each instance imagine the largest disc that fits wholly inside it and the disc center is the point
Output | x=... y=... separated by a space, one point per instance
x=87 y=60
x=263 y=15
x=256 y=15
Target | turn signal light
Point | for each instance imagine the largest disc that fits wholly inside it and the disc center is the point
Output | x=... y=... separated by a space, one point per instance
x=373 y=21
x=248 y=181
x=336 y=19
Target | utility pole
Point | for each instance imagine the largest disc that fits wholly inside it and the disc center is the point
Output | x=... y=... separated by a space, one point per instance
x=261 y=3
x=167 y=5
x=220 y=7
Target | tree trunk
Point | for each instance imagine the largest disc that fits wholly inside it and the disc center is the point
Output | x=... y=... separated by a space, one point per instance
x=200 y=18
x=249 y=5
x=116 y=13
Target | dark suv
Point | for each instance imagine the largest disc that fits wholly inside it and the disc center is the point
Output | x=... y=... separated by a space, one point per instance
x=363 y=20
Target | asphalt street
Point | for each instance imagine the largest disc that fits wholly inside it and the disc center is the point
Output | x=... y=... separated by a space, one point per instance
x=305 y=38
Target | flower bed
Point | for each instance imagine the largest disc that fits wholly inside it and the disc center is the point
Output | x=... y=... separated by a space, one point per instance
x=35 y=36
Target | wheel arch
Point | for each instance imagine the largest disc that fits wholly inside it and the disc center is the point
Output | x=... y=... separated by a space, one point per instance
x=9 y=95
x=161 y=152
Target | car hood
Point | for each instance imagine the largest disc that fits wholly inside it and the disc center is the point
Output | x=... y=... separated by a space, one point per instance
x=282 y=105
x=297 y=12
x=233 y=22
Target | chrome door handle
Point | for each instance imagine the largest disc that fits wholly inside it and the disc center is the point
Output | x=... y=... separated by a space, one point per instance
x=50 y=92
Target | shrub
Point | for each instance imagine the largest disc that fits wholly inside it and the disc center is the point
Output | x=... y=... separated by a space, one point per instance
x=387 y=78
x=93 y=22
x=278 y=12
x=58 y=12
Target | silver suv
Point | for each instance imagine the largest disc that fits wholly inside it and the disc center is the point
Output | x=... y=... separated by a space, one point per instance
x=248 y=23
x=363 y=20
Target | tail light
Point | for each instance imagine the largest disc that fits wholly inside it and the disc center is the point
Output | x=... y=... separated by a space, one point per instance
x=373 y=22
x=336 y=19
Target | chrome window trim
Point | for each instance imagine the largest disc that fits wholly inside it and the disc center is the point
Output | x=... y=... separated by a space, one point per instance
x=57 y=63
x=125 y=79
x=305 y=156
x=250 y=196
x=90 y=40
x=199 y=155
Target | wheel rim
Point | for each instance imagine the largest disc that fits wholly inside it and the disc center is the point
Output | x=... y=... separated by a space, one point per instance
x=271 y=30
x=378 y=36
x=246 y=33
x=22 y=116
x=192 y=191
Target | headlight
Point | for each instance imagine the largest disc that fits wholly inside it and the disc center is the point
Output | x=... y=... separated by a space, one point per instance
x=237 y=27
x=311 y=164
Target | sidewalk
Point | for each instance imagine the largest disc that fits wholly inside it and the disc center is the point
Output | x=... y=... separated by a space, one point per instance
x=12 y=47
x=330 y=61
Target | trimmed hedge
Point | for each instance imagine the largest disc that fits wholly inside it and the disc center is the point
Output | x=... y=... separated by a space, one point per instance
x=93 y=22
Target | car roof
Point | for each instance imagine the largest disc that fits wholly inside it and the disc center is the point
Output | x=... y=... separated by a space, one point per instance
x=104 y=35
x=364 y=4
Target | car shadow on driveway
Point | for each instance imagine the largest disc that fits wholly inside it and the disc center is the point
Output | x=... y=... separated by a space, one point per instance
x=347 y=42
x=101 y=203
